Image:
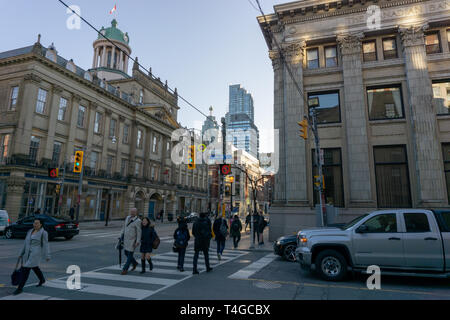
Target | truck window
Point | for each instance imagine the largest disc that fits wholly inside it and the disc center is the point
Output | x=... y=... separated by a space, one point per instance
x=416 y=222
x=446 y=218
x=382 y=223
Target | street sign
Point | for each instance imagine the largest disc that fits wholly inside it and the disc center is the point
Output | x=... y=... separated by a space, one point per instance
x=225 y=169
x=53 y=172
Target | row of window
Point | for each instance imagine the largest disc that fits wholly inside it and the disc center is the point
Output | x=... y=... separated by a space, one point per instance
x=384 y=102
x=369 y=50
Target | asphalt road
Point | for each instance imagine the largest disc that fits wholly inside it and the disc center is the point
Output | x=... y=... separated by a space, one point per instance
x=241 y=274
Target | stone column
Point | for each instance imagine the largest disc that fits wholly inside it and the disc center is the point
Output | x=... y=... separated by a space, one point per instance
x=94 y=62
x=52 y=120
x=113 y=56
x=108 y=117
x=121 y=61
x=90 y=128
x=147 y=146
x=119 y=143
x=133 y=139
x=14 y=194
x=278 y=122
x=295 y=148
x=103 y=60
x=427 y=153
x=354 y=113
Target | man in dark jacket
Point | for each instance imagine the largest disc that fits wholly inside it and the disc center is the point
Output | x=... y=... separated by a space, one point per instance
x=255 y=227
x=247 y=221
x=261 y=225
x=235 y=230
x=220 y=228
x=181 y=237
x=201 y=230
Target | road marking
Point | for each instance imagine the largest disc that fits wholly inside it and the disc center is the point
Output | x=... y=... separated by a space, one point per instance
x=29 y=296
x=186 y=259
x=155 y=270
x=102 y=289
x=128 y=278
x=251 y=269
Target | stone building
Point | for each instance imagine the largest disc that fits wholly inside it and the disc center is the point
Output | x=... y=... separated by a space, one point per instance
x=384 y=93
x=50 y=107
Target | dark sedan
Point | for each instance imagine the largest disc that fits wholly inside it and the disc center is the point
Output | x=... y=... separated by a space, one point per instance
x=55 y=227
x=285 y=247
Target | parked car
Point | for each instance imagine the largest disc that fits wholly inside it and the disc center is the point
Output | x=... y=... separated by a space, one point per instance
x=4 y=220
x=404 y=241
x=191 y=217
x=285 y=247
x=55 y=227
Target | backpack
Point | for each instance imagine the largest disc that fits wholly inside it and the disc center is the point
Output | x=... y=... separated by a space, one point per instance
x=181 y=239
x=203 y=230
x=223 y=228
x=235 y=227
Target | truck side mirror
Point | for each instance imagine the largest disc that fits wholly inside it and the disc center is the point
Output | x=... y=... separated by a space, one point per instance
x=362 y=229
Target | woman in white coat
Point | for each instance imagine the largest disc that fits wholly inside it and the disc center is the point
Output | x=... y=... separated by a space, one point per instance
x=35 y=248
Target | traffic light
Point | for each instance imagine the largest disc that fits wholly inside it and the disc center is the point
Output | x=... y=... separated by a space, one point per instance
x=191 y=164
x=53 y=172
x=317 y=182
x=78 y=164
x=58 y=188
x=225 y=169
x=304 y=129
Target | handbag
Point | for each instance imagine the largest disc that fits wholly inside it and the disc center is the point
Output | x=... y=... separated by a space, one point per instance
x=18 y=273
x=156 y=242
x=175 y=248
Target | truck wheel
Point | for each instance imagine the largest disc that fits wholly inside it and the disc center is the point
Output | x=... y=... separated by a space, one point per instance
x=9 y=234
x=289 y=253
x=331 y=265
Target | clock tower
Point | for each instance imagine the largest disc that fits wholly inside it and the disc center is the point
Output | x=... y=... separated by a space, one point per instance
x=111 y=62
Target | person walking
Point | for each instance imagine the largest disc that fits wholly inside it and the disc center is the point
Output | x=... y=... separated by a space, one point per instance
x=72 y=213
x=34 y=249
x=255 y=227
x=161 y=214
x=201 y=230
x=262 y=223
x=181 y=237
x=148 y=236
x=220 y=228
x=235 y=230
x=131 y=235
x=248 y=219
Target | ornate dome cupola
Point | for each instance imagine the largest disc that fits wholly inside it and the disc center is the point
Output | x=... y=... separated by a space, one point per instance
x=110 y=62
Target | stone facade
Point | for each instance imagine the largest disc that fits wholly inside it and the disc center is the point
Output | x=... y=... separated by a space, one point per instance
x=126 y=141
x=408 y=72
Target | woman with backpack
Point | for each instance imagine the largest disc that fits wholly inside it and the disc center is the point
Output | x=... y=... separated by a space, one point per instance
x=148 y=236
x=181 y=237
x=235 y=230
x=35 y=248
x=220 y=229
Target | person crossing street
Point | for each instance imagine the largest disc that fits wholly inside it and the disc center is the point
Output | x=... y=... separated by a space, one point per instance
x=131 y=235
x=201 y=230
x=235 y=230
x=181 y=237
x=148 y=236
x=220 y=228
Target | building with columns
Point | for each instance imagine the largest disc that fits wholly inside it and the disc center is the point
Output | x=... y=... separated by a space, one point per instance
x=384 y=106
x=50 y=107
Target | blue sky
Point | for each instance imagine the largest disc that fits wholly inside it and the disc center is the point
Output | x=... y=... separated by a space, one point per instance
x=199 y=46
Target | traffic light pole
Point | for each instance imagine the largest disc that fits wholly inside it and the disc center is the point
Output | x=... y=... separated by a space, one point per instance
x=222 y=176
x=80 y=187
x=61 y=190
x=313 y=114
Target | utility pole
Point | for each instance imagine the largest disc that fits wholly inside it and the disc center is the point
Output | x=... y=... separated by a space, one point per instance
x=224 y=151
x=80 y=187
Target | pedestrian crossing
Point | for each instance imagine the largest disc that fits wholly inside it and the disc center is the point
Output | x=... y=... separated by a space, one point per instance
x=108 y=283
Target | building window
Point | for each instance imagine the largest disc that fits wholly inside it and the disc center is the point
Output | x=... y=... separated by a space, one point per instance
x=312 y=56
x=141 y=96
x=112 y=128
x=137 y=169
x=432 y=43
x=153 y=173
x=62 y=109
x=41 y=100
x=126 y=129
x=94 y=160
x=97 y=122
x=392 y=177
x=369 y=51
x=139 y=139
x=385 y=102
x=81 y=115
x=124 y=167
x=4 y=147
x=446 y=157
x=57 y=146
x=34 y=148
x=13 y=98
x=155 y=144
x=168 y=147
x=441 y=96
x=332 y=172
x=235 y=141
x=328 y=110
x=330 y=56
x=389 y=48
x=109 y=164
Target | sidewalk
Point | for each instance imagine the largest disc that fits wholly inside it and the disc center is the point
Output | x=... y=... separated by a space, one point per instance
x=246 y=239
x=113 y=224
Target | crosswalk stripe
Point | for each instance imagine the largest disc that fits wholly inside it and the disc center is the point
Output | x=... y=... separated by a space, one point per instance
x=187 y=259
x=102 y=289
x=29 y=296
x=128 y=278
x=155 y=270
x=251 y=269
x=174 y=264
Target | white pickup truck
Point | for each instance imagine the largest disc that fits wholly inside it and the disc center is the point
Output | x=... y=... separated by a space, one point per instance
x=401 y=242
